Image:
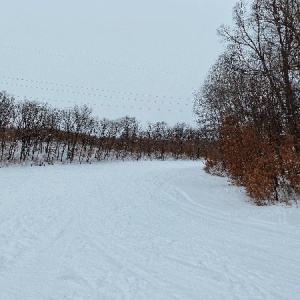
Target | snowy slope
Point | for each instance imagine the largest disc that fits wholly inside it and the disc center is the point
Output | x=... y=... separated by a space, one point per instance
x=135 y=57
x=141 y=230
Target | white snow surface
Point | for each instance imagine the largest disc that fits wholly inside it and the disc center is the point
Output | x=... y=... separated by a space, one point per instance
x=141 y=230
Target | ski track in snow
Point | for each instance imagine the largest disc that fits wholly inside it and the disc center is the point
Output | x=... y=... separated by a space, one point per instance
x=141 y=230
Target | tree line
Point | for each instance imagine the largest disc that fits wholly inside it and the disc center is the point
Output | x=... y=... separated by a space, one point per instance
x=35 y=132
x=250 y=101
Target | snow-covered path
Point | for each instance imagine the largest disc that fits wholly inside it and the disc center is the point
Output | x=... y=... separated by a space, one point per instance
x=141 y=230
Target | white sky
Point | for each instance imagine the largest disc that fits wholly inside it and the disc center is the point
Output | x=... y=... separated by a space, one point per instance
x=112 y=54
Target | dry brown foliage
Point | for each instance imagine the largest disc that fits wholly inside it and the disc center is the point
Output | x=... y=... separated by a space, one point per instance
x=268 y=167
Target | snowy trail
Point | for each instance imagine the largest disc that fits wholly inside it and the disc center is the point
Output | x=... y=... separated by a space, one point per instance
x=141 y=230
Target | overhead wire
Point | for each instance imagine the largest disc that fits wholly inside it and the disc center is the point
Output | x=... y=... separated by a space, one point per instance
x=100 y=104
x=126 y=66
x=97 y=104
x=70 y=88
x=129 y=95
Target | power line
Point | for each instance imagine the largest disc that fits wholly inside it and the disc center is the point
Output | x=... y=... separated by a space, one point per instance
x=96 y=89
x=100 y=104
x=97 y=61
x=129 y=96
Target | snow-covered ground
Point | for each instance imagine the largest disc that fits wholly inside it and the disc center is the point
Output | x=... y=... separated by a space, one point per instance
x=141 y=230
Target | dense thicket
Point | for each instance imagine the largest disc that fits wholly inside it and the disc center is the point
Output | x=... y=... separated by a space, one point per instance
x=250 y=101
x=37 y=133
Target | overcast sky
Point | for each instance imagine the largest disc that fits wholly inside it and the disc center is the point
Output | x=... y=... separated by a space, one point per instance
x=124 y=57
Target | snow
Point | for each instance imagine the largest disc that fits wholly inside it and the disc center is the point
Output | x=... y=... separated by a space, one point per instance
x=141 y=230
x=121 y=57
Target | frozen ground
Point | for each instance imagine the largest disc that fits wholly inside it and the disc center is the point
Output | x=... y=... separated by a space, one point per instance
x=141 y=230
